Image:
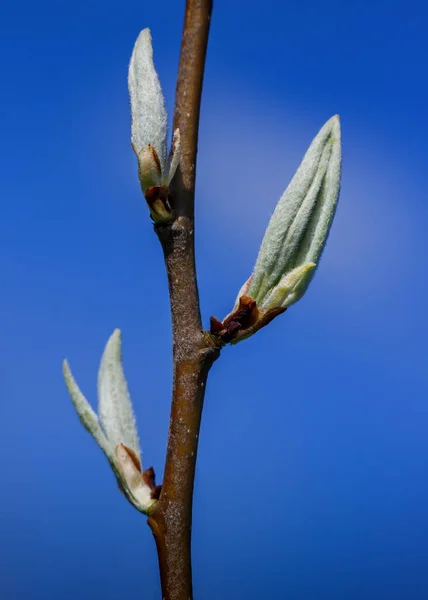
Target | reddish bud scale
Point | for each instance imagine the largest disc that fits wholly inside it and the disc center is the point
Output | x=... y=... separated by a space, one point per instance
x=245 y=316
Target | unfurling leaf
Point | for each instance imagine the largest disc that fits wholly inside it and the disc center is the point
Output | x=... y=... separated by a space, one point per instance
x=149 y=130
x=114 y=428
x=294 y=239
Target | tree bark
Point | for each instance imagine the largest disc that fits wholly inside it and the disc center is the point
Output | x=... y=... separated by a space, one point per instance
x=171 y=520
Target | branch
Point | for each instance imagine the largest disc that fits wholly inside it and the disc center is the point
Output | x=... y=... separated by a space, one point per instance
x=171 y=520
x=188 y=100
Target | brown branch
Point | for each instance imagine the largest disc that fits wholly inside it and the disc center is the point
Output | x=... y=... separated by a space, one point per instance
x=188 y=99
x=171 y=520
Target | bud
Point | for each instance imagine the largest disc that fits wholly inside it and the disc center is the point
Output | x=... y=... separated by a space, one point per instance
x=294 y=239
x=149 y=130
x=114 y=428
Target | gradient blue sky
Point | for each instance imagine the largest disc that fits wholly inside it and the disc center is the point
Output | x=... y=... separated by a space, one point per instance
x=312 y=473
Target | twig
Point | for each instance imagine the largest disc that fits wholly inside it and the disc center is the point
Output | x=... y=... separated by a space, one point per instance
x=171 y=520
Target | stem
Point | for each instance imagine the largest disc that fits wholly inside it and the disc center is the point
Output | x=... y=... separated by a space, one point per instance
x=171 y=520
x=188 y=99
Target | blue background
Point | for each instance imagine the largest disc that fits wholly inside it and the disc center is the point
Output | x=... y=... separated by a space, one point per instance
x=312 y=472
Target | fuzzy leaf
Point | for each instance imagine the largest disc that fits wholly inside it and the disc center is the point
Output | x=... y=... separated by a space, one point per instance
x=86 y=414
x=290 y=289
x=299 y=227
x=114 y=403
x=149 y=118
